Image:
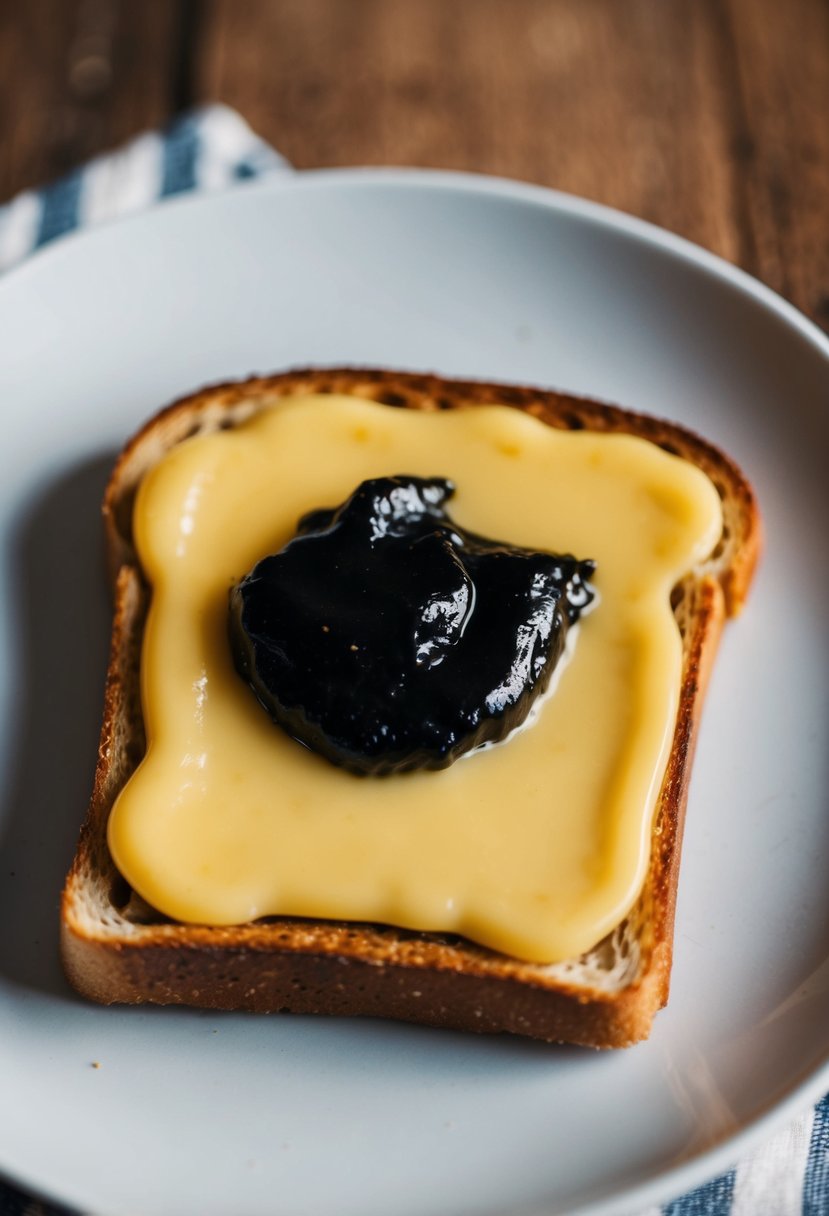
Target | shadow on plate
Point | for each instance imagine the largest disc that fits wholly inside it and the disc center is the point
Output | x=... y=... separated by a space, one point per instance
x=58 y=643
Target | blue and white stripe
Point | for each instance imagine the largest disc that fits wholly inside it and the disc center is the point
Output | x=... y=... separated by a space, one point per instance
x=212 y=149
x=208 y=150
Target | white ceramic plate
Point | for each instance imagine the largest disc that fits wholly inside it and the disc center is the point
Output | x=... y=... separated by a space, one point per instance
x=198 y=1113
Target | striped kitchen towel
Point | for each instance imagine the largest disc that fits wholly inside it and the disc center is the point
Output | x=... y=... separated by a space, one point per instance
x=211 y=149
x=206 y=150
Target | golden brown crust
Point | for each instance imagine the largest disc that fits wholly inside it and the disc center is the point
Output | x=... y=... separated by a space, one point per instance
x=116 y=950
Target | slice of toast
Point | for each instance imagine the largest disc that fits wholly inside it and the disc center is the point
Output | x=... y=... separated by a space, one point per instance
x=117 y=949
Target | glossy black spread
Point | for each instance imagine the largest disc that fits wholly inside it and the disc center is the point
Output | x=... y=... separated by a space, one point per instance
x=386 y=638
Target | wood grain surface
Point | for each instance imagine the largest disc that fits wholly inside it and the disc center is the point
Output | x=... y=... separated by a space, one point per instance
x=708 y=117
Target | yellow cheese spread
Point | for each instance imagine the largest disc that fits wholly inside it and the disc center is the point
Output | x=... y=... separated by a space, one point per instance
x=536 y=847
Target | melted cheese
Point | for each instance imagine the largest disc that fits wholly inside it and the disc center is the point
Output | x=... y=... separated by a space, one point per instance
x=536 y=848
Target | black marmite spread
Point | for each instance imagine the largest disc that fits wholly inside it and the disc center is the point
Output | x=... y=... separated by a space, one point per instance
x=387 y=638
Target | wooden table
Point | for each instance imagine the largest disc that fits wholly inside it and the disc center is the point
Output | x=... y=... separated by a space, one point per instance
x=709 y=117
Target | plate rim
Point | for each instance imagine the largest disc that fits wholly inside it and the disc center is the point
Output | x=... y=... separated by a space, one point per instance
x=601 y=215
x=671 y=1181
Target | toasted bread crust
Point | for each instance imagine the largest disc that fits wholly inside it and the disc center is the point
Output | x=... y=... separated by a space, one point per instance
x=117 y=950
